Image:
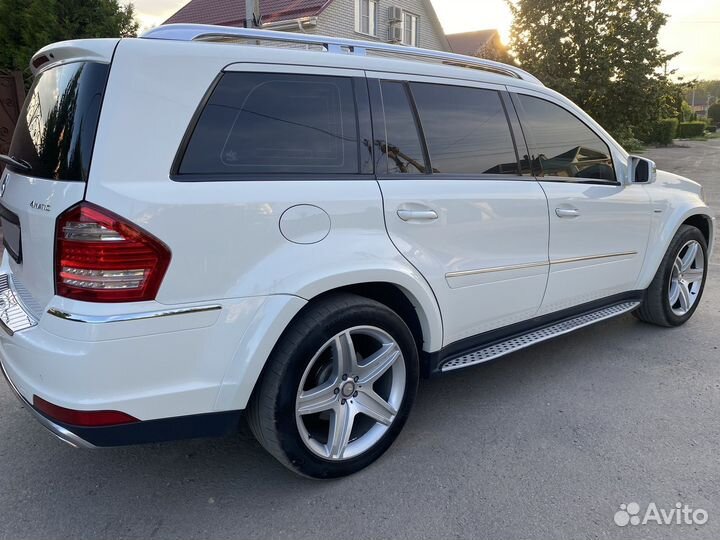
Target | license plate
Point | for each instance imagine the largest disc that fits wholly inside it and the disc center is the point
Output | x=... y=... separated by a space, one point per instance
x=11 y=233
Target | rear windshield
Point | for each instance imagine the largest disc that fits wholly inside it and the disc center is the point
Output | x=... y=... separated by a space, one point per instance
x=56 y=127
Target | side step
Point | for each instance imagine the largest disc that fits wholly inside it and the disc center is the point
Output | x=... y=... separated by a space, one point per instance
x=522 y=341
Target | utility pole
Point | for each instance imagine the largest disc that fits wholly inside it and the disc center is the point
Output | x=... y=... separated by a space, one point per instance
x=252 y=13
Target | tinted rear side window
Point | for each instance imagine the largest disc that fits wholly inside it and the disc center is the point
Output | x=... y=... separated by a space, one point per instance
x=56 y=128
x=466 y=130
x=403 y=147
x=563 y=146
x=266 y=123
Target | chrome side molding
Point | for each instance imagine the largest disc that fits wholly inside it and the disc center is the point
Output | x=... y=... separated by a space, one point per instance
x=523 y=266
x=594 y=257
x=102 y=319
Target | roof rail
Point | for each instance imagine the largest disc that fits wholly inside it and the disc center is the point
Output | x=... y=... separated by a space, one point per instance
x=203 y=32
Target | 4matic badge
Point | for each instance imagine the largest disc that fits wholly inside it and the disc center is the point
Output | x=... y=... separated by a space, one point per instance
x=40 y=206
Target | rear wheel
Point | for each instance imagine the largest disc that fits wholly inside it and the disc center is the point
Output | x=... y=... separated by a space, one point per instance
x=675 y=292
x=338 y=387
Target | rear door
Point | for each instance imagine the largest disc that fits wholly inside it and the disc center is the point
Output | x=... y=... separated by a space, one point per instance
x=599 y=226
x=456 y=204
x=54 y=138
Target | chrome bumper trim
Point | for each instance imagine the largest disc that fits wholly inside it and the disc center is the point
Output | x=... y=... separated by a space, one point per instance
x=102 y=319
x=13 y=315
x=60 y=432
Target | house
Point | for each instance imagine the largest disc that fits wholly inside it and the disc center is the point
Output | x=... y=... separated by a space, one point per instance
x=700 y=110
x=482 y=43
x=409 y=22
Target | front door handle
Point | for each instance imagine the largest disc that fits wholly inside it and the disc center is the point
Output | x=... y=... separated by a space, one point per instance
x=417 y=215
x=567 y=212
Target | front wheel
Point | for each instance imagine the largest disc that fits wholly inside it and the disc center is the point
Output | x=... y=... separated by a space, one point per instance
x=338 y=387
x=675 y=292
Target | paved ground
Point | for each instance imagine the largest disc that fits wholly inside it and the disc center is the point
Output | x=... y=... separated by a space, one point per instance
x=545 y=444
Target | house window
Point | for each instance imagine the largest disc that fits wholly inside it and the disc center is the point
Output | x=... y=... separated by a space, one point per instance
x=410 y=29
x=366 y=17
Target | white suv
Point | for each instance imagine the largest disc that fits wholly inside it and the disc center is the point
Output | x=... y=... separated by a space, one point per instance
x=205 y=221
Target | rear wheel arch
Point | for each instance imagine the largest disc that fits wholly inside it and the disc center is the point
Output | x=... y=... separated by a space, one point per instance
x=395 y=298
x=405 y=293
x=391 y=295
x=414 y=311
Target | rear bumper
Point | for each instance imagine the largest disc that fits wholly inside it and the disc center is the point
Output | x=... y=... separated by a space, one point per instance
x=167 y=429
x=180 y=371
x=59 y=431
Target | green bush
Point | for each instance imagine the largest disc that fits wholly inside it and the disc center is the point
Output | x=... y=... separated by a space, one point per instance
x=659 y=132
x=664 y=131
x=712 y=129
x=631 y=144
x=625 y=136
x=714 y=113
x=687 y=130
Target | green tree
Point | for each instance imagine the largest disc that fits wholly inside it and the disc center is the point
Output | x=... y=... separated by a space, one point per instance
x=714 y=112
x=28 y=25
x=703 y=92
x=602 y=54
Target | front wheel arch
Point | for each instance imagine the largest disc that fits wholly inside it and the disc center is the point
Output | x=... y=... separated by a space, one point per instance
x=659 y=243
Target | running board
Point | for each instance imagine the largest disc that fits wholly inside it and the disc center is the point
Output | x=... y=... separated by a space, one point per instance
x=522 y=341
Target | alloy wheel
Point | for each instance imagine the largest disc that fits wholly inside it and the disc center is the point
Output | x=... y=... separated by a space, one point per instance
x=686 y=278
x=350 y=393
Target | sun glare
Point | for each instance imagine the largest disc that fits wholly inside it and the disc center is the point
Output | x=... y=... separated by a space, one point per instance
x=469 y=15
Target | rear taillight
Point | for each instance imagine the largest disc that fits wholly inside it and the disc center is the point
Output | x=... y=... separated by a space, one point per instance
x=100 y=257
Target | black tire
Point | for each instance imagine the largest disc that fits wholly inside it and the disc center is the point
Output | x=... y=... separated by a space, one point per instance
x=656 y=308
x=271 y=411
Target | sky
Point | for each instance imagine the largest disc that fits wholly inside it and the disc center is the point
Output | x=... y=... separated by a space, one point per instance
x=693 y=27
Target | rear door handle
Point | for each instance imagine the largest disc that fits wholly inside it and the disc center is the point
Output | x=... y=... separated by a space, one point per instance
x=567 y=212
x=417 y=215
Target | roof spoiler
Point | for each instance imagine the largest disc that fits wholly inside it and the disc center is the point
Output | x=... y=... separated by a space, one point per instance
x=95 y=50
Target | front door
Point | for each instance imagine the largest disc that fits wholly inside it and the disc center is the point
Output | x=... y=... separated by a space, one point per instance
x=599 y=225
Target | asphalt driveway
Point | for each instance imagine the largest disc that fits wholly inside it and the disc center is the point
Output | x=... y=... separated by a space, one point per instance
x=547 y=443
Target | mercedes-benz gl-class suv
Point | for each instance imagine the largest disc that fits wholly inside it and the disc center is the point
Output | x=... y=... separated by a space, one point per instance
x=207 y=223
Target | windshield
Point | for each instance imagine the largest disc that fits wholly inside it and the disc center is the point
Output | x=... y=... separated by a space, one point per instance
x=56 y=128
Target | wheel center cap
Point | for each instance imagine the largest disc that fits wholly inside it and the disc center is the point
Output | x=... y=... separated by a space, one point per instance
x=348 y=389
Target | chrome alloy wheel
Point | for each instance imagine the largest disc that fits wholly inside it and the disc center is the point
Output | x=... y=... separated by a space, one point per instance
x=686 y=278
x=350 y=393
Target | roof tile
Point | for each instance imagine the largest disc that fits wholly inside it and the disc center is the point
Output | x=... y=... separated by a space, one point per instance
x=232 y=12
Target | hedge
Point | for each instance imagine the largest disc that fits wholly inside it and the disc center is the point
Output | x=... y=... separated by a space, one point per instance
x=687 y=130
x=665 y=130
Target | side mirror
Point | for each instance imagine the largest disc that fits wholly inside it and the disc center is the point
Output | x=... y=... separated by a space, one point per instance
x=641 y=170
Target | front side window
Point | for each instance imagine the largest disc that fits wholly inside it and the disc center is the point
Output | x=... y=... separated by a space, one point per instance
x=367 y=17
x=275 y=123
x=410 y=29
x=466 y=130
x=563 y=146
